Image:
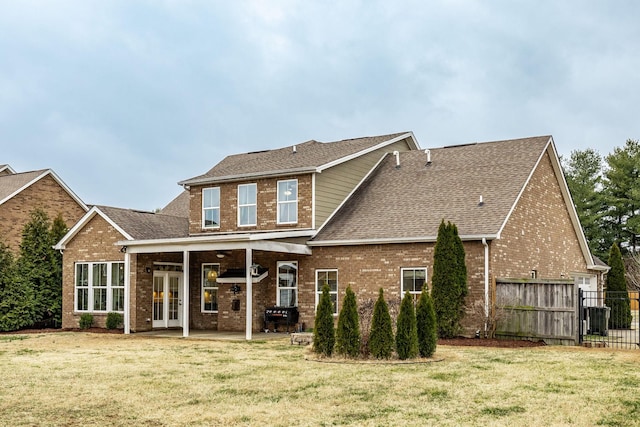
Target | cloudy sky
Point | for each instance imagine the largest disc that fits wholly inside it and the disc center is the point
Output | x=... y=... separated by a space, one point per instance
x=123 y=99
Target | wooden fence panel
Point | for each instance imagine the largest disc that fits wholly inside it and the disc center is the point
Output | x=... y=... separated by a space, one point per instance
x=536 y=309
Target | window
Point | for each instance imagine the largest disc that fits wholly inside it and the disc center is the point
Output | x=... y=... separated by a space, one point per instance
x=327 y=277
x=288 y=201
x=209 y=288
x=247 y=201
x=287 y=284
x=413 y=279
x=211 y=207
x=99 y=286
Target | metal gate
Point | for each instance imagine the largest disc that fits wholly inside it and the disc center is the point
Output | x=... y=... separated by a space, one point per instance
x=609 y=320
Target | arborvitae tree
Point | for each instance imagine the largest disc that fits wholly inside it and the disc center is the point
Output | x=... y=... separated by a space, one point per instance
x=617 y=297
x=324 y=337
x=426 y=323
x=381 y=338
x=35 y=265
x=407 y=330
x=16 y=296
x=58 y=230
x=449 y=283
x=348 y=332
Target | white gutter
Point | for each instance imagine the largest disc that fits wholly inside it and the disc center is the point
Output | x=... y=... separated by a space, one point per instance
x=386 y=241
x=486 y=284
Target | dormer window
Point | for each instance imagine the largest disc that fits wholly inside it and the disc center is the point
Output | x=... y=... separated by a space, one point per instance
x=288 y=201
x=211 y=207
x=247 y=202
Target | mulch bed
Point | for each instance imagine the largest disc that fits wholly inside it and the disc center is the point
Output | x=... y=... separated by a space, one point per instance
x=488 y=342
x=50 y=330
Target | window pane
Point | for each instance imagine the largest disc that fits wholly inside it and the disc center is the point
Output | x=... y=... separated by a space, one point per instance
x=82 y=275
x=100 y=299
x=211 y=299
x=247 y=194
x=248 y=215
x=287 y=190
x=117 y=274
x=83 y=299
x=212 y=217
x=118 y=299
x=287 y=297
x=211 y=198
x=100 y=275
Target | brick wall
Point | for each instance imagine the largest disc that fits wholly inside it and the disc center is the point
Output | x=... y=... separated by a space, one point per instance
x=266 y=206
x=95 y=242
x=539 y=234
x=46 y=194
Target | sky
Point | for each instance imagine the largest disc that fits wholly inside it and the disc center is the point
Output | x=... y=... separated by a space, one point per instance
x=123 y=99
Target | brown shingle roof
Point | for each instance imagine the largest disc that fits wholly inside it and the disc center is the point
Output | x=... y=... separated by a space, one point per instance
x=411 y=201
x=147 y=225
x=308 y=155
x=9 y=184
x=178 y=206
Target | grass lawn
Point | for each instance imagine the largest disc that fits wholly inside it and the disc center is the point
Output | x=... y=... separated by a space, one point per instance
x=80 y=379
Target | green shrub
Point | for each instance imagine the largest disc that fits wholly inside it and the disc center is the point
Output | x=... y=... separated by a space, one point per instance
x=348 y=332
x=324 y=336
x=114 y=320
x=86 y=321
x=426 y=323
x=617 y=296
x=381 y=337
x=407 y=331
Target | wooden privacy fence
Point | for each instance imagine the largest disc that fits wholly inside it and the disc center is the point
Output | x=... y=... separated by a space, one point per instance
x=536 y=309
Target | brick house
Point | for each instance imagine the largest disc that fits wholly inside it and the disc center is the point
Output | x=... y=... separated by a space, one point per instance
x=268 y=229
x=21 y=193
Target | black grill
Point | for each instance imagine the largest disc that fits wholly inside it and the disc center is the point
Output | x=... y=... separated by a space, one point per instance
x=279 y=316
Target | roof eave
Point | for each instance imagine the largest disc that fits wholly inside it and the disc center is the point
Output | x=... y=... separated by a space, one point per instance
x=392 y=240
x=244 y=177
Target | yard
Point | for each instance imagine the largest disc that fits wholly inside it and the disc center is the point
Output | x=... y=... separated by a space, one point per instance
x=79 y=379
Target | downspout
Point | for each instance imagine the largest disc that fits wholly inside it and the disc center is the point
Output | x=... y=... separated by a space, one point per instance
x=486 y=284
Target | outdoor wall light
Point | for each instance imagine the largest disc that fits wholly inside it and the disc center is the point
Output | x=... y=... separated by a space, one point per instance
x=147 y=270
x=235 y=289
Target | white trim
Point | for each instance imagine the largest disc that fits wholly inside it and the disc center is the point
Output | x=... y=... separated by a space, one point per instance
x=90 y=288
x=202 y=224
x=248 y=262
x=344 y=201
x=127 y=293
x=248 y=205
x=286 y=202
x=385 y=241
x=426 y=279
x=84 y=221
x=9 y=168
x=278 y=287
x=313 y=201
x=186 y=298
x=341 y=160
x=203 y=287
x=254 y=279
x=55 y=178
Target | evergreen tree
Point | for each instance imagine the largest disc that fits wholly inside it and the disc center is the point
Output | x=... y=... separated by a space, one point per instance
x=58 y=230
x=348 y=332
x=381 y=338
x=449 y=283
x=324 y=337
x=16 y=296
x=35 y=265
x=426 y=324
x=407 y=329
x=617 y=297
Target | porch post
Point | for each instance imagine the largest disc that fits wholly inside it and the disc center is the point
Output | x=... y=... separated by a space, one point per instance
x=249 y=303
x=185 y=294
x=127 y=290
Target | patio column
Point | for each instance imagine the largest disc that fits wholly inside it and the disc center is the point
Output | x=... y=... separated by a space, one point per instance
x=185 y=294
x=249 y=291
x=127 y=295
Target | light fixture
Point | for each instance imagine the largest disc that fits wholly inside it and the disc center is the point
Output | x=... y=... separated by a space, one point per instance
x=235 y=289
x=212 y=275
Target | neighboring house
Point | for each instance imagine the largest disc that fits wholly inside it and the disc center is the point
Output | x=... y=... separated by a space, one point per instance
x=269 y=228
x=21 y=193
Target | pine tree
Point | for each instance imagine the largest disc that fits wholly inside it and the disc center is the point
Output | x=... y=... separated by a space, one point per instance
x=16 y=296
x=35 y=265
x=381 y=338
x=348 y=332
x=324 y=337
x=617 y=297
x=407 y=330
x=449 y=283
x=426 y=324
x=58 y=230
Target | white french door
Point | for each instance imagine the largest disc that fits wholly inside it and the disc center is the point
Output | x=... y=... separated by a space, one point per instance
x=167 y=299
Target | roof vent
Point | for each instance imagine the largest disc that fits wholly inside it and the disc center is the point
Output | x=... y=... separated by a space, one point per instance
x=428 y=153
x=481 y=201
x=397 y=154
x=295 y=150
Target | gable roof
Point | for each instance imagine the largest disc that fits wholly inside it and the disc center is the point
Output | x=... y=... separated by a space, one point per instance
x=6 y=170
x=132 y=224
x=178 y=206
x=409 y=202
x=310 y=156
x=13 y=184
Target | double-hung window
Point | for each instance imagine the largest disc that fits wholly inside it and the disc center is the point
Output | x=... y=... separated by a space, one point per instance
x=288 y=201
x=287 y=284
x=99 y=286
x=210 y=288
x=247 y=202
x=211 y=207
x=329 y=278
x=413 y=280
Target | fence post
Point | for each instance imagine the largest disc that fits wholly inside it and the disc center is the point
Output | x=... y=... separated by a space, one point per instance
x=579 y=316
